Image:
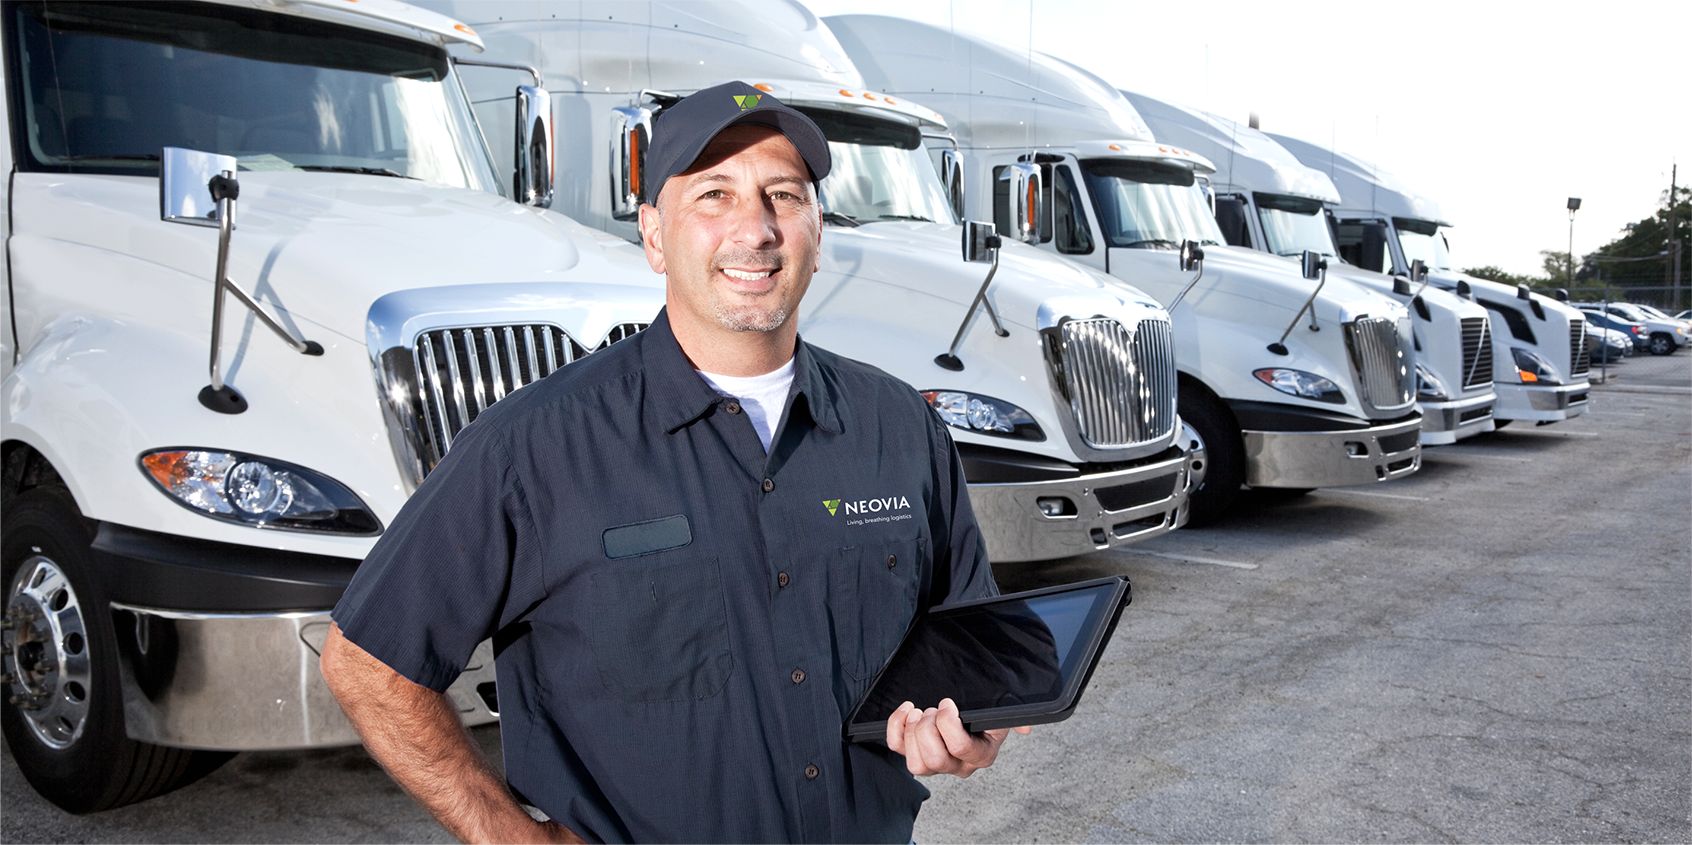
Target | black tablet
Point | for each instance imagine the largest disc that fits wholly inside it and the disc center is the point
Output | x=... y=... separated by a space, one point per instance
x=1007 y=661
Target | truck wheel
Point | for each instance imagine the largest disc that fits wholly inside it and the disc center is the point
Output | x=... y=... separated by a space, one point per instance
x=1225 y=453
x=63 y=708
x=1661 y=343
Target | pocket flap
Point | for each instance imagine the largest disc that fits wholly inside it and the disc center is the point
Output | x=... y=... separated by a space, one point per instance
x=644 y=538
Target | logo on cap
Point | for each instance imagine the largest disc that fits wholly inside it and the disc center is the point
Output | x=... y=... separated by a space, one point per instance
x=832 y=505
x=746 y=101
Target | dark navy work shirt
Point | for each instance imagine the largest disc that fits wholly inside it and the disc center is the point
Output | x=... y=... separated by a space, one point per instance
x=682 y=622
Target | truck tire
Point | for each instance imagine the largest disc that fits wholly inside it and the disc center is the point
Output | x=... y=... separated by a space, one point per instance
x=1662 y=343
x=63 y=703
x=1224 y=451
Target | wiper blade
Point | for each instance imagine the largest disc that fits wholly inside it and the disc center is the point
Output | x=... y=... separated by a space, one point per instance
x=1165 y=242
x=110 y=157
x=916 y=217
x=340 y=168
x=841 y=218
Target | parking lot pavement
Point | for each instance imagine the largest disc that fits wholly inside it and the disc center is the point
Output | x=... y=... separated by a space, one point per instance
x=1498 y=648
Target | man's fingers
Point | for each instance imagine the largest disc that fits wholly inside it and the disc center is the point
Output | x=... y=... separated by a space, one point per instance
x=1024 y=730
x=959 y=742
x=896 y=728
x=935 y=756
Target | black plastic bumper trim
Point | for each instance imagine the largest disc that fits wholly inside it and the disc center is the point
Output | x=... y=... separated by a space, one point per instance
x=169 y=572
x=1274 y=416
x=989 y=465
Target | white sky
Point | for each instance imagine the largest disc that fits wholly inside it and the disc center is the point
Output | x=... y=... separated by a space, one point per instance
x=1498 y=111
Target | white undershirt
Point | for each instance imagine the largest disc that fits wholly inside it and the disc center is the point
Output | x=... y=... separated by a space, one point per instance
x=761 y=397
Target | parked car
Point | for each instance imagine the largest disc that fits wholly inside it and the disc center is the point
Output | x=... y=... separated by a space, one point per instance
x=1662 y=335
x=1605 y=345
x=1635 y=331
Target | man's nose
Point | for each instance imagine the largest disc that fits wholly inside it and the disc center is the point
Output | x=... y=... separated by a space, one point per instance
x=754 y=224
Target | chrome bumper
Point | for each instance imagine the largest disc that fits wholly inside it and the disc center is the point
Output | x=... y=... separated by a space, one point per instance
x=1148 y=501
x=1332 y=458
x=1448 y=422
x=1542 y=403
x=246 y=681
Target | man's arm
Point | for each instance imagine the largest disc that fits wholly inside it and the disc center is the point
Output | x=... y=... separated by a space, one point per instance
x=416 y=735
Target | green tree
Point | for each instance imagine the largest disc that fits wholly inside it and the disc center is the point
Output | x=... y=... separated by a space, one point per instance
x=1650 y=240
x=1502 y=276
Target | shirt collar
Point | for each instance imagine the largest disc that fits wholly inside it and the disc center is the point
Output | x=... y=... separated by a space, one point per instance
x=677 y=396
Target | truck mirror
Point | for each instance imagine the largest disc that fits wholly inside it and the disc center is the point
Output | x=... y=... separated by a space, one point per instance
x=1400 y=286
x=951 y=176
x=183 y=179
x=1030 y=207
x=979 y=241
x=1523 y=294
x=1464 y=290
x=1192 y=255
x=1418 y=271
x=532 y=176
x=1312 y=264
x=631 y=131
x=1562 y=294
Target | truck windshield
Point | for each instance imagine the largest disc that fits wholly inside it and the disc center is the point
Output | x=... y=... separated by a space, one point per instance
x=1147 y=205
x=880 y=169
x=1421 y=239
x=107 y=85
x=1292 y=225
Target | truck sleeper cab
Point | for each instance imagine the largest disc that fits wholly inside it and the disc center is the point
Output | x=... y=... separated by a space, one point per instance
x=1539 y=357
x=1335 y=406
x=1067 y=449
x=170 y=566
x=1268 y=201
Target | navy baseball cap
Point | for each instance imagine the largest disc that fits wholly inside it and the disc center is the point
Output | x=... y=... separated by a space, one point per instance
x=683 y=130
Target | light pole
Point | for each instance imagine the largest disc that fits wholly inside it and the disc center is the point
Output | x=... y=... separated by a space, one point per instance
x=1574 y=206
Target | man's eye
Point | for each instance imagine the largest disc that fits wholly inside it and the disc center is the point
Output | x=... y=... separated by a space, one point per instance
x=713 y=194
x=785 y=196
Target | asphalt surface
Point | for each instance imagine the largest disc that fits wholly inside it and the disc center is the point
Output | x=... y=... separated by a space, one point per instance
x=1498 y=648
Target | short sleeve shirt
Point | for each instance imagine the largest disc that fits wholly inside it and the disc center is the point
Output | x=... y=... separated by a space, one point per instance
x=682 y=621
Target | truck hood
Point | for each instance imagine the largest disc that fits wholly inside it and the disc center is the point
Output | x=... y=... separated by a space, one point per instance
x=926 y=260
x=1276 y=282
x=322 y=247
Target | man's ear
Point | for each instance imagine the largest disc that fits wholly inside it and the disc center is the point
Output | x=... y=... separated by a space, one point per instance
x=651 y=238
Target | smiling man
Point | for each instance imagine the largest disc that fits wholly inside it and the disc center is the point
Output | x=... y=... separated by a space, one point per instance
x=653 y=538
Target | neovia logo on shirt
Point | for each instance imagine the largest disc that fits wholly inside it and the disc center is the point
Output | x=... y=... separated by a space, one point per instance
x=865 y=511
x=746 y=101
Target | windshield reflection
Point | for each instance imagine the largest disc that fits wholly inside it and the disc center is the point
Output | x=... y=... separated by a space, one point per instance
x=875 y=183
x=1291 y=232
x=1429 y=247
x=1144 y=205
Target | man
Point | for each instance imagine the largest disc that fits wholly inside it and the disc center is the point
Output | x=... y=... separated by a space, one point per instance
x=685 y=596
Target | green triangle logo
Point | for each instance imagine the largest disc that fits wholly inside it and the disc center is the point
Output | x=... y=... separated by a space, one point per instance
x=831 y=504
x=746 y=101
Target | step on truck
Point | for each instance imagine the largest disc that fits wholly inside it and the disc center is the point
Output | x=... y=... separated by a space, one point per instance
x=260 y=269
x=1269 y=201
x=1292 y=380
x=1540 y=362
x=1057 y=384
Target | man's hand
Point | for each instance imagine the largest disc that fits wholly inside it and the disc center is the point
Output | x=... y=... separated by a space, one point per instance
x=934 y=740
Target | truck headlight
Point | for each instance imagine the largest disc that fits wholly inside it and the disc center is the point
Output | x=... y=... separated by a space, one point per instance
x=1429 y=386
x=256 y=491
x=1300 y=383
x=1533 y=368
x=973 y=412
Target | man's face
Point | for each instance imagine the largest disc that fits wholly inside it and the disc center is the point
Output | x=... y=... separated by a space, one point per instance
x=738 y=235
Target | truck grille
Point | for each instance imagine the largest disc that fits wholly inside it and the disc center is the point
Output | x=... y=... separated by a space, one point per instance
x=1385 y=378
x=1477 y=351
x=460 y=372
x=1120 y=385
x=1580 y=359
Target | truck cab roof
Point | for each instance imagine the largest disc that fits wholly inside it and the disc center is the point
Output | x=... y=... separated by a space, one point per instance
x=1363 y=187
x=389 y=16
x=1246 y=159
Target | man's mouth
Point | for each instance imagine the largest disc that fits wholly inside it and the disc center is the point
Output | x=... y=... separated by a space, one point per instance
x=747 y=275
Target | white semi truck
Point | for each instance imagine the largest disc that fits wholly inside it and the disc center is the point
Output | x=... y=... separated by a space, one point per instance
x=193 y=470
x=1539 y=361
x=1268 y=201
x=1292 y=380
x=1058 y=384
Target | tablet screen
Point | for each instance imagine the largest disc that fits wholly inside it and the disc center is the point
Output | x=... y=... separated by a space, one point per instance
x=1000 y=654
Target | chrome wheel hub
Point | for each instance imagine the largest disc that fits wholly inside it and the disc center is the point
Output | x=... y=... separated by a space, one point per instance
x=45 y=652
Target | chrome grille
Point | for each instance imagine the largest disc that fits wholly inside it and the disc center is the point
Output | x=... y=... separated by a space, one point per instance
x=1580 y=358
x=1385 y=378
x=462 y=371
x=1477 y=351
x=1120 y=385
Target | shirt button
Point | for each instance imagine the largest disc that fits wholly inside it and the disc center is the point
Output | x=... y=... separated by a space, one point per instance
x=811 y=772
x=782 y=579
x=769 y=484
x=892 y=561
x=798 y=676
x=731 y=406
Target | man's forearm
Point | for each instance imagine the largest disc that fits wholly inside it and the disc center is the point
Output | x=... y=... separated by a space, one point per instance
x=418 y=738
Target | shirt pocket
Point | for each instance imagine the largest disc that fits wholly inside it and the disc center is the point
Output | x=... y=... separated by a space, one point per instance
x=659 y=630
x=872 y=600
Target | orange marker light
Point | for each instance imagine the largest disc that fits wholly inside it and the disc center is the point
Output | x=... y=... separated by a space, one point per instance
x=845 y=93
x=1116 y=148
x=460 y=27
x=764 y=87
x=890 y=100
x=868 y=96
x=1527 y=377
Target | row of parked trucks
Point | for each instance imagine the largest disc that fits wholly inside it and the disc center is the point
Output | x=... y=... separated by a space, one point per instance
x=388 y=217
